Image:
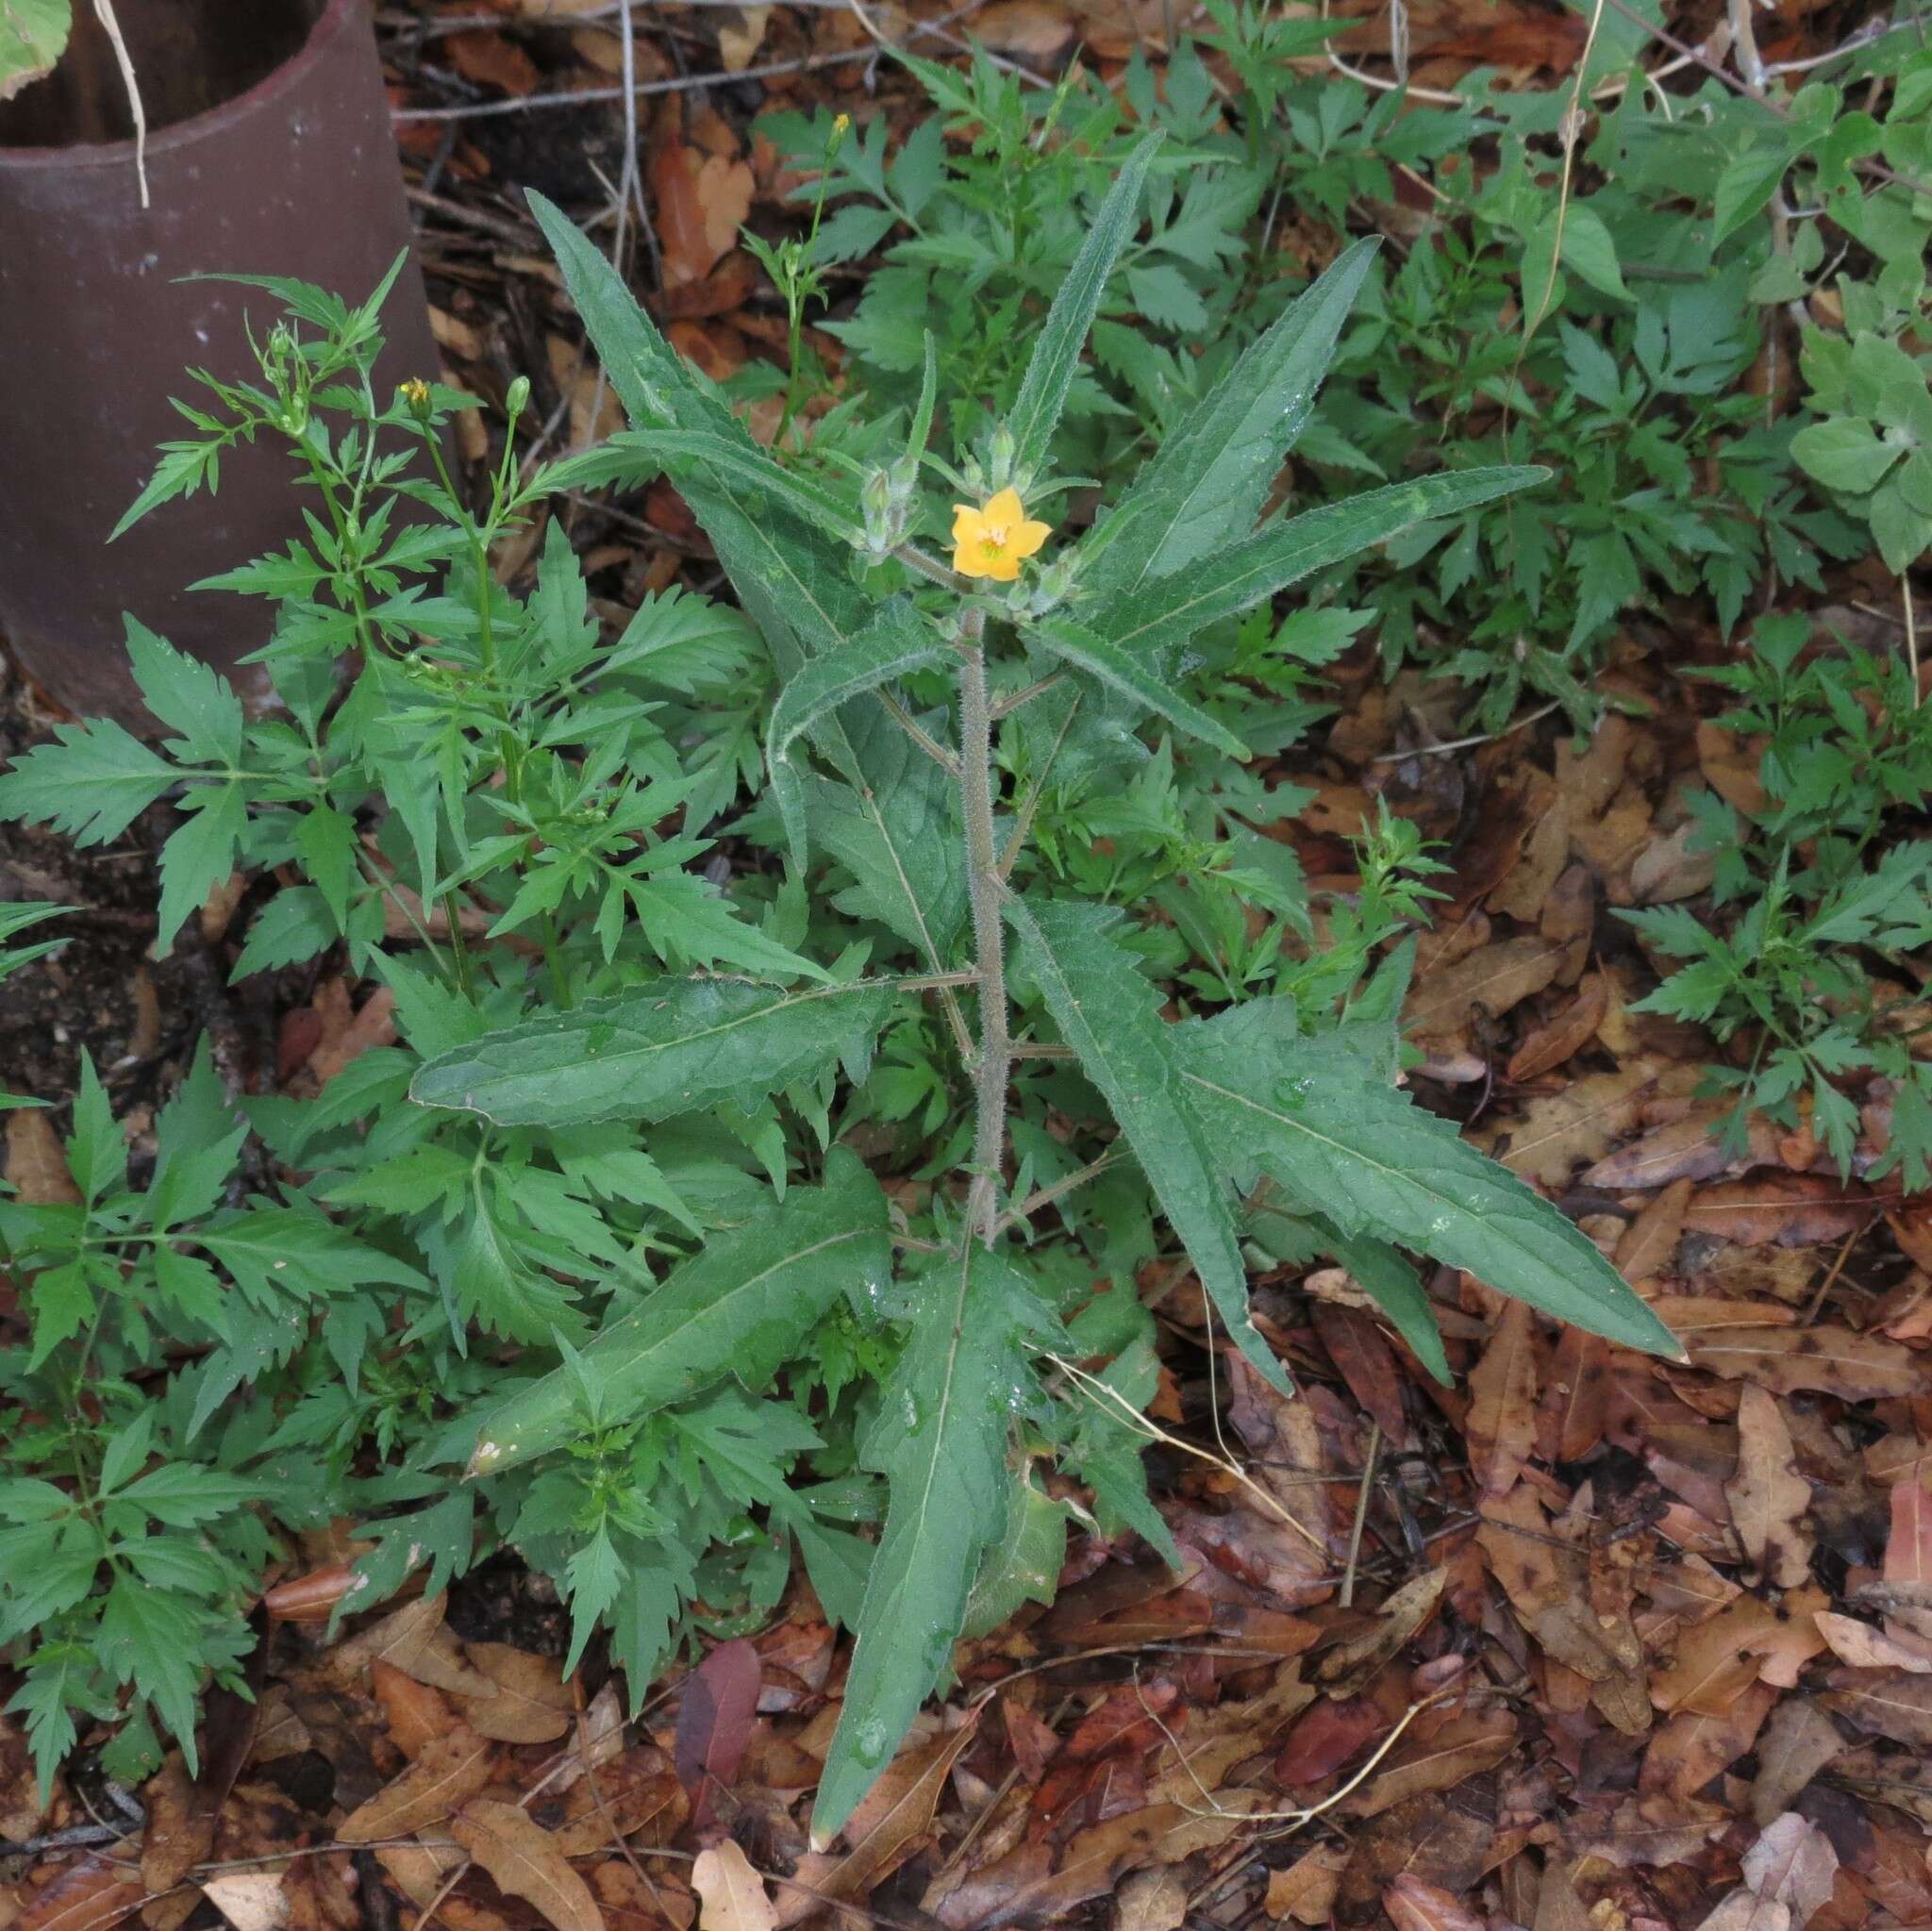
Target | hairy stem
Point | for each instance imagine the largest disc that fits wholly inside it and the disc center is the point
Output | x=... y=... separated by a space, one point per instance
x=987 y=889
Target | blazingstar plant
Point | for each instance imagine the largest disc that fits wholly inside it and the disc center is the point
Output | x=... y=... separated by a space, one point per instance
x=607 y=1226
x=911 y=684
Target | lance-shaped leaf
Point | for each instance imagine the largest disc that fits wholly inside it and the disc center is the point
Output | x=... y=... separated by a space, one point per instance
x=636 y=455
x=1391 y=1284
x=1108 y=1010
x=1056 y=352
x=741 y=1307
x=672 y=1046
x=940 y=1438
x=1356 y=1150
x=1132 y=678
x=790 y=575
x=898 y=640
x=1207 y=482
x=1163 y=615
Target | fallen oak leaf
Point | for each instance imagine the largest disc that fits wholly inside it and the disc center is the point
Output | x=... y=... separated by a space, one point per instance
x=87 y=1896
x=1830 y=1360
x=1565 y=1036
x=523 y=1861
x=1866 y=1648
x=1884 y=1703
x=450 y=1771
x=1501 y=1425
x=1415 y=1905
x=1768 y=1496
x=731 y=1895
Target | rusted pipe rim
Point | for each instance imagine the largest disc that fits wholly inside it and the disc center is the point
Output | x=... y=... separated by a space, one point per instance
x=119 y=153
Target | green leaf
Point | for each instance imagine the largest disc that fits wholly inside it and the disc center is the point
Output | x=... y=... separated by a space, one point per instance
x=326 y=844
x=33 y=35
x=1749 y=180
x=187 y=696
x=1588 y=251
x=1074 y=644
x=1307 y=1113
x=638 y=454
x=295 y=925
x=898 y=640
x=91 y=783
x=939 y=1438
x=791 y=577
x=1057 y=351
x=198 y=857
x=672 y=1046
x=1844 y=453
x=1206 y=483
x=1162 y=615
x=741 y=1307
x=1024 y=1565
x=1108 y=1010
x=899 y=835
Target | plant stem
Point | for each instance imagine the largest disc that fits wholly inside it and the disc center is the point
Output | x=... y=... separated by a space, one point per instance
x=989 y=931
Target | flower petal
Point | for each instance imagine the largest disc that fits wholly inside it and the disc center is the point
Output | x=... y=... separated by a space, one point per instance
x=1006 y=507
x=1029 y=538
x=967 y=523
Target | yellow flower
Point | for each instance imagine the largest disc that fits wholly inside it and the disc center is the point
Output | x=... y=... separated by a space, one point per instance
x=840 y=124
x=415 y=393
x=995 y=541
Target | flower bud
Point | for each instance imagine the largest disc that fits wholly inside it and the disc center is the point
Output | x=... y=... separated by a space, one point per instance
x=415 y=395
x=518 y=399
x=1000 y=450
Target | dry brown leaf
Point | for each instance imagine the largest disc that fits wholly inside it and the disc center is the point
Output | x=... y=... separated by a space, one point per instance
x=1650 y=1241
x=1885 y=1702
x=250 y=1900
x=1867 y=1648
x=1501 y=1425
x=1496 y=978
x=1745 y=1641
x=1307 y=1890
x=1346 y=1668
x=416 y=1714
x=1152 y=1900
x=449 y=1772
x=1909 y=1546
x=1686 y=1148
x=731 y=1895
x=523 y=1859
x=87 y=1896
x=492 y=60
x=1833 y=1360
x=532 y=1703
x=1415 y=1905
x=891 y=1820
x=1461 y=1746
x=1036 y=27
x=1563 y=1037
x=1691 y=1748
x=421 y=1871
x=740 y=41
x=1797 y=1743
x=1768 y=1496
x=1559 y=1132
x=180 y=1831
x=1788 y=1209
x=36 y=1162
x=1669 y=871
x=703 y=201
x=1789 y=1874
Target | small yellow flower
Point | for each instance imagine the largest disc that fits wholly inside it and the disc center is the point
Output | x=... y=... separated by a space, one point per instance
x=840 y=124
x=995 y=541
x=415 y=393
